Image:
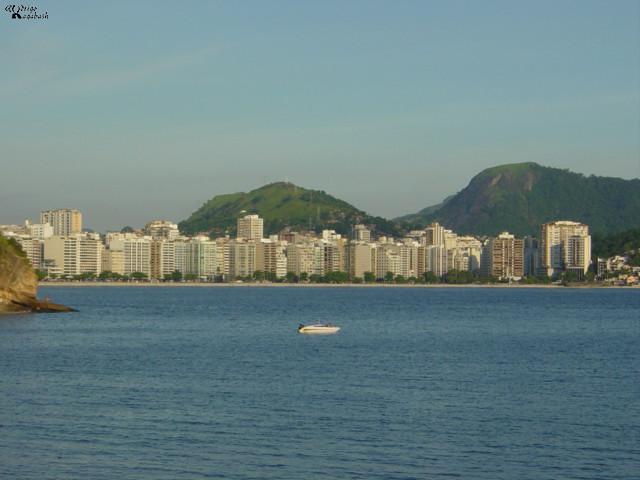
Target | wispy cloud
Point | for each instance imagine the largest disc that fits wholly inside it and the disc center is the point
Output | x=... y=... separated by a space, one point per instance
x=92 y=81
x=39 y=70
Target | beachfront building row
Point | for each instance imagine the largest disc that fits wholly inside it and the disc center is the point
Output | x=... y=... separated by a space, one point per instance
x=159 y=250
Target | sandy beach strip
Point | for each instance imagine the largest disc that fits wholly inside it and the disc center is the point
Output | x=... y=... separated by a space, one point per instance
x=305 y=285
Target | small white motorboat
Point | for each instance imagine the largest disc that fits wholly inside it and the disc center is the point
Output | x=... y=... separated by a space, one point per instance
x=318 y=329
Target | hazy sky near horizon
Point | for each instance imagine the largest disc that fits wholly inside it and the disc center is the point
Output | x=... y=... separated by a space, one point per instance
x=132 y=111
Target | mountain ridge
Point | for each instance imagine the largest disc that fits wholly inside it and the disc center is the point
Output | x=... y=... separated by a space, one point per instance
x=519 y=197
x=281 y=205
x=515 y=197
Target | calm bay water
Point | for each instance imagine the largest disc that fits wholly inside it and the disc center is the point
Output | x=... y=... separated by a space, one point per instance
x=173 y=383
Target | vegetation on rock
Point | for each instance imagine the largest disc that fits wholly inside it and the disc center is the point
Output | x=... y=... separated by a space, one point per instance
x=282 y=205
x=627 y=242
x=520 y=197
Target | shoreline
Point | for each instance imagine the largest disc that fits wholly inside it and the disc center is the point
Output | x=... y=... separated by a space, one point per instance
x=309 y=285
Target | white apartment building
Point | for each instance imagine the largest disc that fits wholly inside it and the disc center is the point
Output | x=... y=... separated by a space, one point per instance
x=223 y=257
x=33 y=248
x=181 y=255
x=361 y=233
x=387 y=260
x=271 y=257
x=503 y=257
x=163 y=258
x=436 y=259
x=333 y=255
x=359 y=259
x=39 y=231
x=242 y=258
x=565 y=245
x=436 y=240
x=13 y=230
x=330 y=235
x=113 y=261
x=162 y=230
x=434 y=235
x=465 y=255
x=136 y=252
x=197 y=256
x=250 y=227
x=397 y=258
x=305 y=258
x=73 y=254
x=203 y=257
x=65 y=221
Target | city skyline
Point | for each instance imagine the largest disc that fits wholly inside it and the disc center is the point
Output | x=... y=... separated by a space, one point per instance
x=58 y=247
x=319 y=94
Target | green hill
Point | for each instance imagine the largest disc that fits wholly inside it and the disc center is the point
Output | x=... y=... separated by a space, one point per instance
x=519 y=197
x=627 y=242
x=281 y=205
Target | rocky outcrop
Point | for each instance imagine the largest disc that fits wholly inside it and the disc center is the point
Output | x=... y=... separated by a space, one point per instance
x=19 y=283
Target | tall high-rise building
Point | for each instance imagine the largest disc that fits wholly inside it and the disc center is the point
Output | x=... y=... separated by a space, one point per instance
x=242 y=258
x=436 y=252
x=358 y=259
x=505 y=257
x=531 y=256
x=435 y=258
x=250 y=227
x=65 y=221
x=334 y=255
x=434 y=235
x=565 y=245
x=203 y=257
x=181 y=255
x=163 y=258
x=113 y=261
x=387 y=260
x=223 y=266
x=274 y=259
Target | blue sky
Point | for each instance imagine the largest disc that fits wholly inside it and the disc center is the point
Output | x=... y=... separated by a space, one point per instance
x=132 y=111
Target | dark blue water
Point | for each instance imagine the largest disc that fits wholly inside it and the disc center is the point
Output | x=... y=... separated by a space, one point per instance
x=176 y=383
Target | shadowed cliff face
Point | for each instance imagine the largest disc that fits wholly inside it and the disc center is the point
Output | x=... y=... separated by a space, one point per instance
x=19 y=283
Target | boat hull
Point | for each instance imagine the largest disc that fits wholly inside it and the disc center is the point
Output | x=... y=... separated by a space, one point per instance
x=318 y=329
